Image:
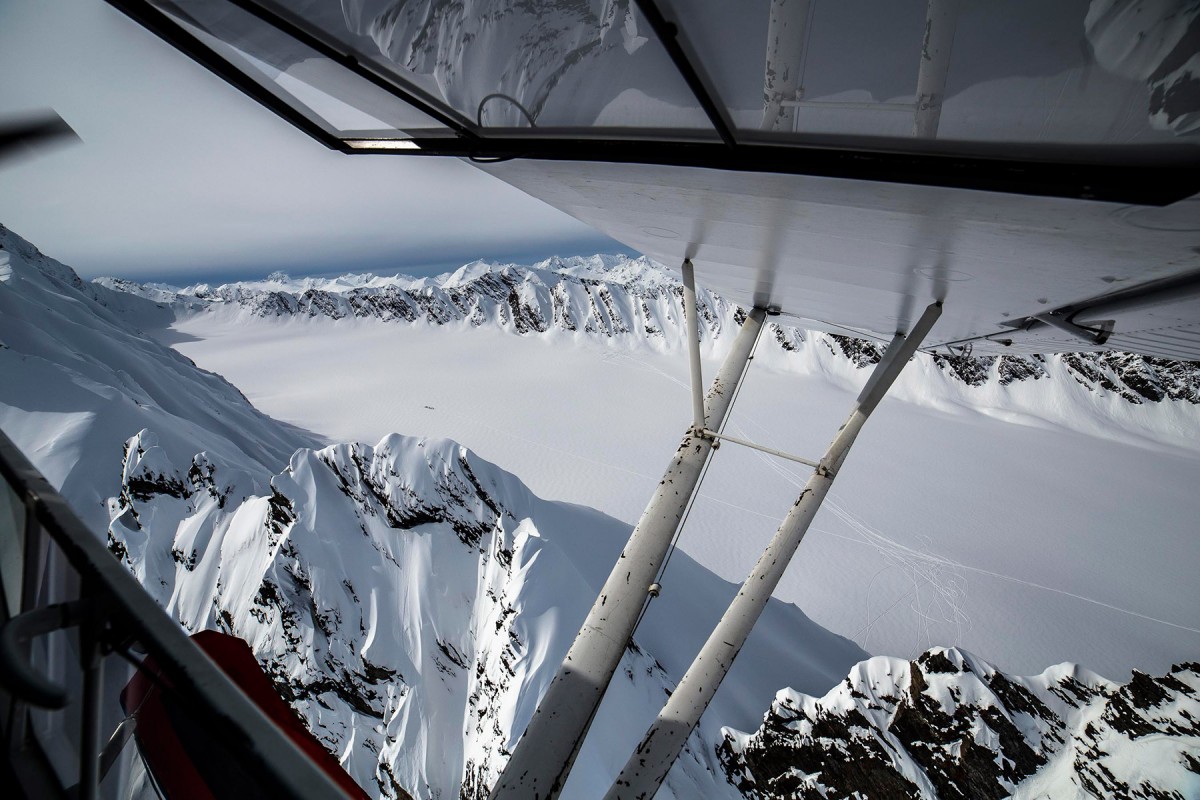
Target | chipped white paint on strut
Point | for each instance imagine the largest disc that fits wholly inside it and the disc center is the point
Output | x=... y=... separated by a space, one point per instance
x=663 y=742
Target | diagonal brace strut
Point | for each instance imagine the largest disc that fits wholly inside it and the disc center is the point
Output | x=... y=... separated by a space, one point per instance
x=660 y=747
x=544 y=755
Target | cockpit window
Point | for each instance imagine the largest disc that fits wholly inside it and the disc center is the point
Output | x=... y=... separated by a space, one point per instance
x=988 y=78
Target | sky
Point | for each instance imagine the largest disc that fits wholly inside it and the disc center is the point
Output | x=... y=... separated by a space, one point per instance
x=179 y=177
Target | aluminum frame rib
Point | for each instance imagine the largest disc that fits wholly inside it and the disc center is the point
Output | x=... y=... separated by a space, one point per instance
x=544 y=756
x=660 y=747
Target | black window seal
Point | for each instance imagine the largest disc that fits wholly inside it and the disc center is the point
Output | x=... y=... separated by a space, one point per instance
x=1133 y=184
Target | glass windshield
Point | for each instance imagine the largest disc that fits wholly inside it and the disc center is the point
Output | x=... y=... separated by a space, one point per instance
x=340 y=101
x=1108 y=72
x=557 y=64
x=911 y=74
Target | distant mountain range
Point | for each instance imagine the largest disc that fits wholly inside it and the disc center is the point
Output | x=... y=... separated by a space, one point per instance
x=411 y=600
x=632 y=299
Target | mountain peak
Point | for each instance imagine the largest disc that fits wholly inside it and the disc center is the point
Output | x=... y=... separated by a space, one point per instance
x=949 y=724
x=640 y=303
x=411 y=600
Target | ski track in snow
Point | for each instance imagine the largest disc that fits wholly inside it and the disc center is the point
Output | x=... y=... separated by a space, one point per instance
x=922 y=568
x=927 y=566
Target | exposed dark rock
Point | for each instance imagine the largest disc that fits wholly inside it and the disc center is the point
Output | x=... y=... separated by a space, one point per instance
x=147 y=485
x=936 y=661
x=910 y=732
x=790 y=339
x=280 y=514
x=1013 y=369
x=837 y=751
x=973 y=371
x=861 y=352
x=647 y=303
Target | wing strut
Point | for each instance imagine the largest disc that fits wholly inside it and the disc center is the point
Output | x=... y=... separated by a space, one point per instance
x=941 y=20
x=648 y=765
x=693 y=341
x=786 y=31
x=543 y=757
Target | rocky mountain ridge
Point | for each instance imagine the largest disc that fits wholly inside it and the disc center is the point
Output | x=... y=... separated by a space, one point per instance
x=411 y=601
x=397 y=595
x=949 y=725
x=633 y=300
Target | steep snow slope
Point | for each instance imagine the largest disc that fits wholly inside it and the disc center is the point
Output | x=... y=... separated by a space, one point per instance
x=409 y=599
x=413 y=600
x=78 y=380
x=1013 y=519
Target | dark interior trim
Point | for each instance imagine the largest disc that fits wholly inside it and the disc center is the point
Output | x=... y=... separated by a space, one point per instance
x=1068 y=172
x=668 y=33
x=1117 y=183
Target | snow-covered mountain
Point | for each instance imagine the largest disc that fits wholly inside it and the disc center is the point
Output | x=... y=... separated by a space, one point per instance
x=632 y=300
x=78 y=380
x=949 y=725
x=411 y=599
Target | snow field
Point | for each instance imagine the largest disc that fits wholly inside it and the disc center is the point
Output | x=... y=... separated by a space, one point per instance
x=1031 y=524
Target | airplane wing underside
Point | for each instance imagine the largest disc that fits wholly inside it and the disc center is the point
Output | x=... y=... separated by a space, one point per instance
x=1036 y=166
x=867 y=257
